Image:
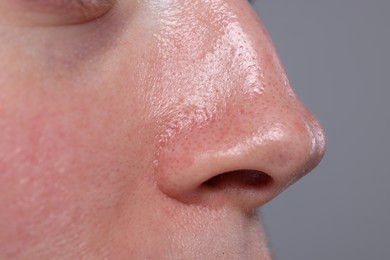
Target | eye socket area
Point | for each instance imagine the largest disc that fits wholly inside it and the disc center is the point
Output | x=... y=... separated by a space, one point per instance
x=56 y=12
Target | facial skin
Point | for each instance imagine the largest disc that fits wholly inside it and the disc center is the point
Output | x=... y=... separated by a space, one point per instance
x=148 y=129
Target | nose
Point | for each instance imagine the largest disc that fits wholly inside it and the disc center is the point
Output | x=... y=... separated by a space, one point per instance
x=241 y=137
x=218 y=167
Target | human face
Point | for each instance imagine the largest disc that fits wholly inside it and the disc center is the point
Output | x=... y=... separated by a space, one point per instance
x=143 y=130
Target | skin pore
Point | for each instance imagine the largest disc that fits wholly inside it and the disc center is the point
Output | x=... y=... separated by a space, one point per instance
x=147 y=129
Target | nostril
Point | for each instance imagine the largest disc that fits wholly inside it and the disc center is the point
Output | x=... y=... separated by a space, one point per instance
x=240 y=179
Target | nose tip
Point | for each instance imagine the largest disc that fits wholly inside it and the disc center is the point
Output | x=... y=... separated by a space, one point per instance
x=316 y=133
x=292 y=149
x=245 y=170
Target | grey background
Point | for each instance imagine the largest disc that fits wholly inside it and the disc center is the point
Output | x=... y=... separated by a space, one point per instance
x=337 y=54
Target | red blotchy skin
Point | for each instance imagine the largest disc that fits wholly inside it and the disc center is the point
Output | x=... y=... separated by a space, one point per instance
x=154 y=132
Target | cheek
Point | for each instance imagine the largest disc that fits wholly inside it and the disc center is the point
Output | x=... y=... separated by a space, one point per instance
x=62 y=150
x=74 y=147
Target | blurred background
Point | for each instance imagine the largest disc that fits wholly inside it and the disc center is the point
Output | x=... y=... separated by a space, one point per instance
x=337 y=55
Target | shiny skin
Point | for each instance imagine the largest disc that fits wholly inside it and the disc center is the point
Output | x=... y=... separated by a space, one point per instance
x=113 y=128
